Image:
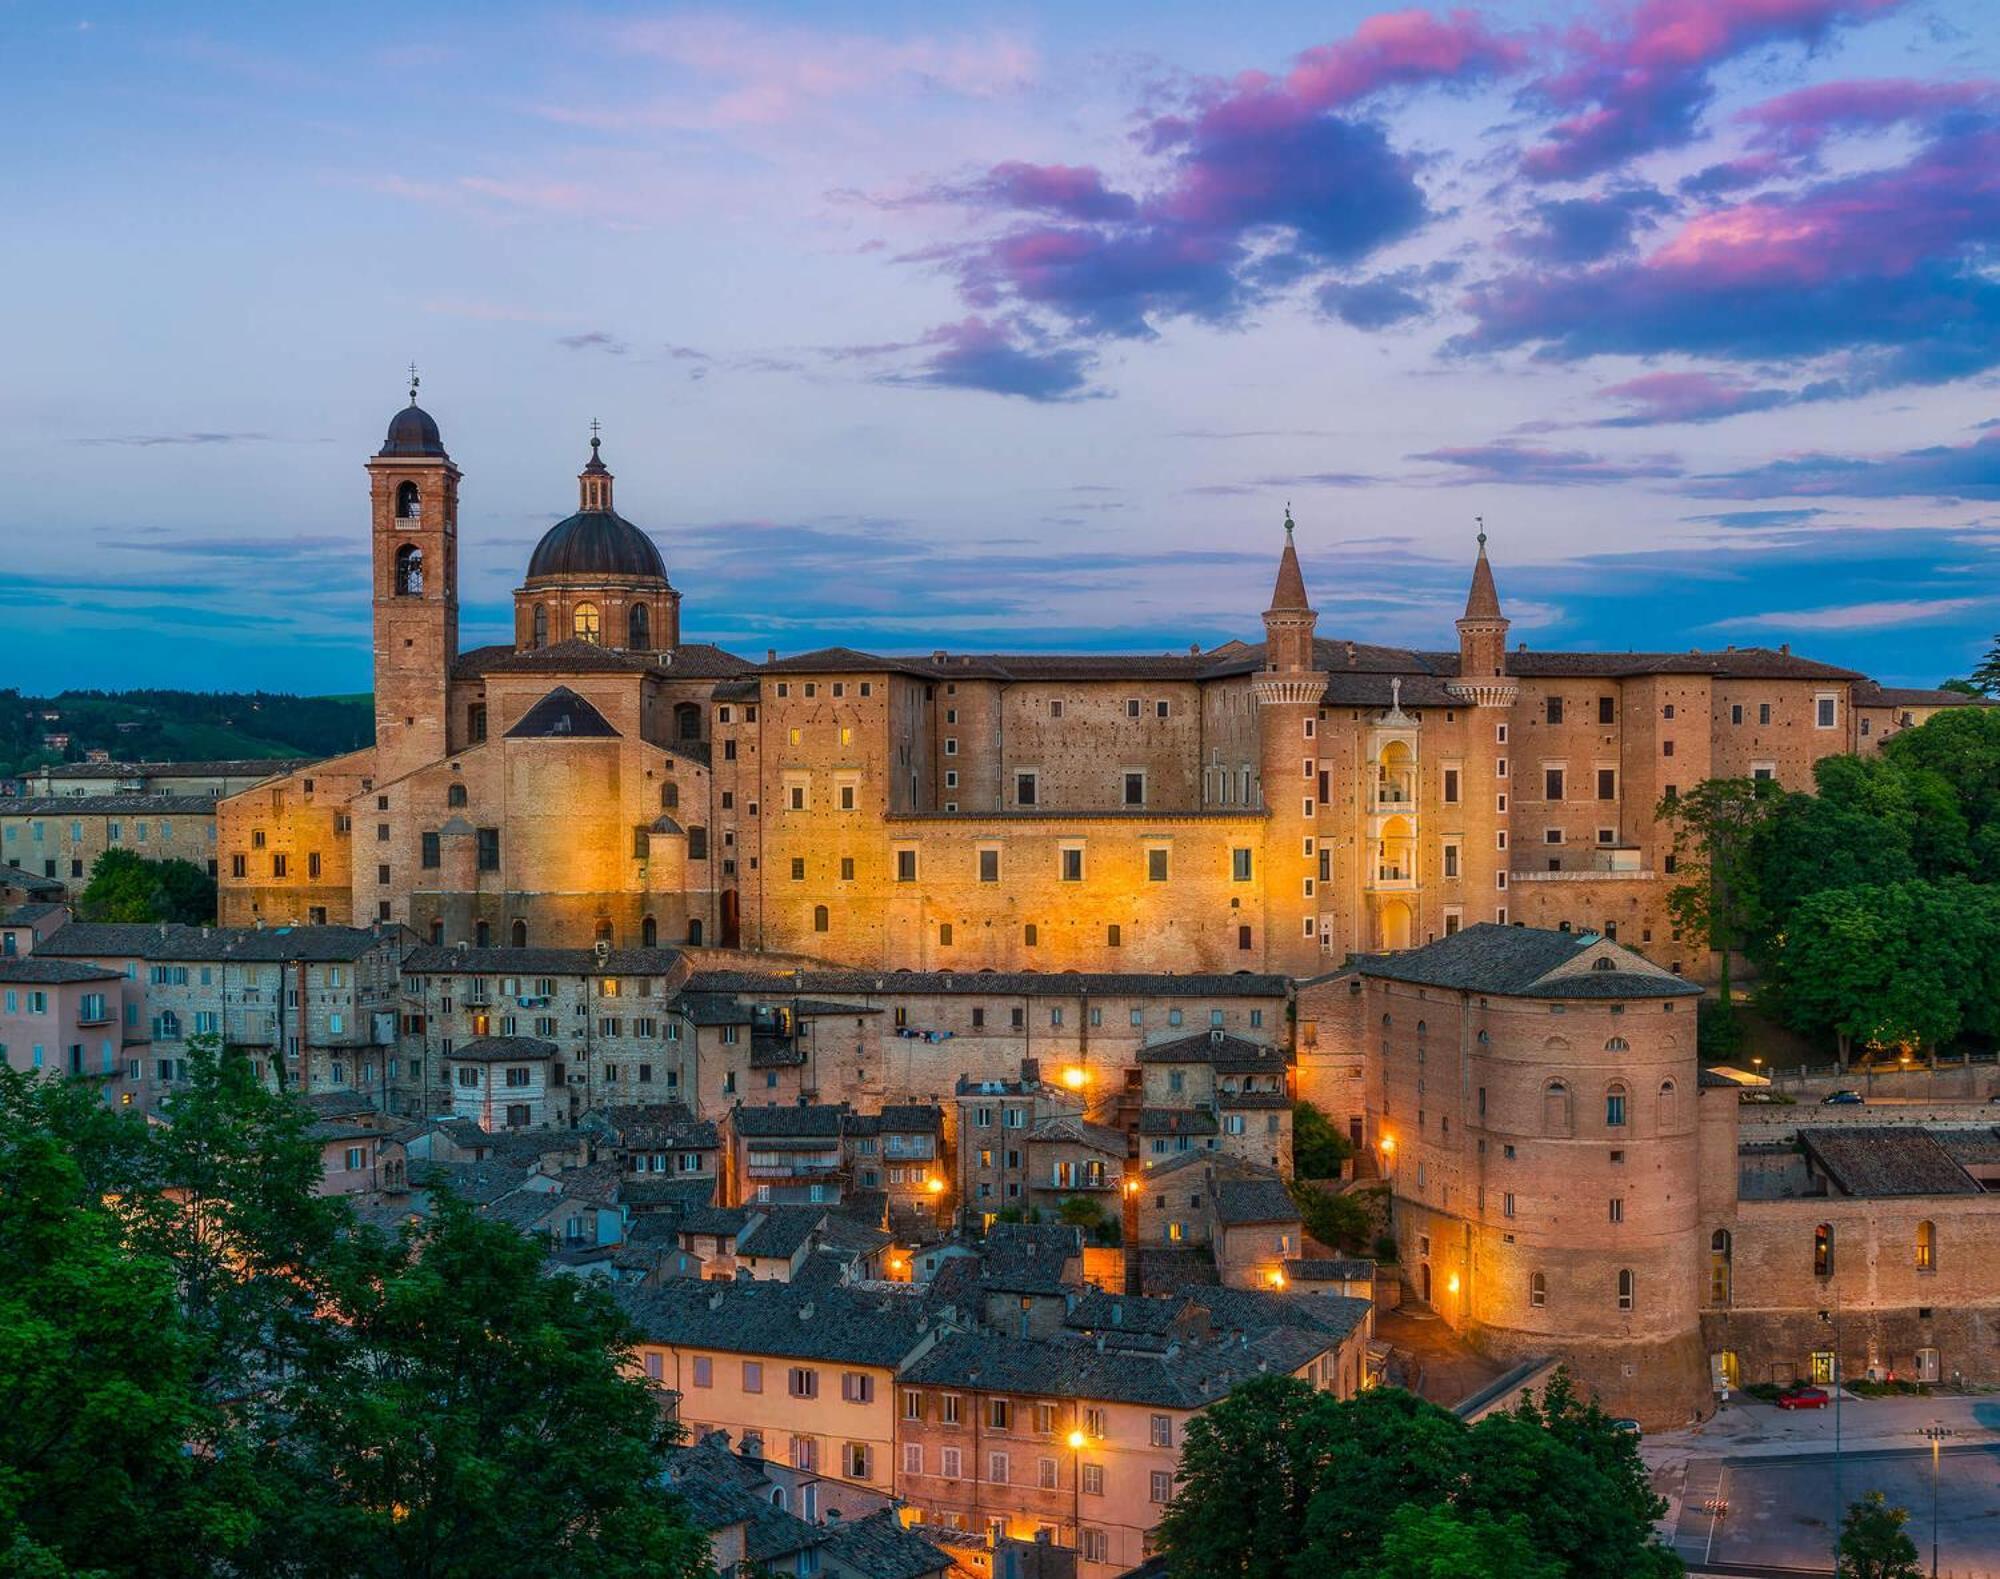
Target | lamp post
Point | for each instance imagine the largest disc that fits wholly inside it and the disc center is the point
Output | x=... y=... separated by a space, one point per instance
x=1839 y=1506
x=1937 y=1434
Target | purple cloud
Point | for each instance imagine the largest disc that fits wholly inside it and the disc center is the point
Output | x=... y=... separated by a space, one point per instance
x=1799 y=124
x=1642 y=85
x=978 y=354
x=1528 y=463
x=1941 y=471
x=1263 y=182
x=1584 y=229
x=1659 y=398
x=1885 y=266
x=1386 y=299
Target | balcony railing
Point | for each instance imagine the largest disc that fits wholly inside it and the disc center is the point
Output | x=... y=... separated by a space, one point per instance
x=1393 y=878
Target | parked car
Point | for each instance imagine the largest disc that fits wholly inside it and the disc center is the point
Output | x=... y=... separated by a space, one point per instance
x=1842 y=1099
x=1802 y=1396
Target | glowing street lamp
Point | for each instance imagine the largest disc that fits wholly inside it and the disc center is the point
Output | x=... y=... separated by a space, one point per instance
x=1076 y=1077
x=935 y=1185
x=1275 y=1277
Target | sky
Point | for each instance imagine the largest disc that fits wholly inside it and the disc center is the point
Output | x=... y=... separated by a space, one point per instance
x=913 y=326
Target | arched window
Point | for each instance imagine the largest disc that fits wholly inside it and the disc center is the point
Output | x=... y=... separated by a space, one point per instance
x=1556 y=1116
x=822 y=918
x=1719 y=1271
x=1538 y=1289
x=1606 y=963
x=454 y=795
x=1823 y=1250
x=1614 y=1105
x=694 y=933
x=603 y=933
x=649 y=933
x=1385 y=1022
x=584 y=622
x=1670 y=1107
x=483 y=935
x=639 y=629
x=1618 y=1044
x=541 y=624
x=670 y=795
x=1627 y=1289
x=687 y=721
x=1927 y=1246
x=520 y=936
x=437 y=932
x=409 y=571
x=409 y=503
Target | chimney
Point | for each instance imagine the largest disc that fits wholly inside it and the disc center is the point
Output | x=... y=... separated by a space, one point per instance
x=1785 y=647
x=715 y=1300
x=770 y=655
x=806 y=1311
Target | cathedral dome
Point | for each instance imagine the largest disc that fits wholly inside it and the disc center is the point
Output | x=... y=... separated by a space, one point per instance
x=596 y=543
x=413 y=431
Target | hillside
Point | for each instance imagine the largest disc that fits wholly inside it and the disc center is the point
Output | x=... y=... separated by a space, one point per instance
x=178 y=726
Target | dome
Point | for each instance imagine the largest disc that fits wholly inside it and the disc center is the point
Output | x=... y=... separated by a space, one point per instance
x=596 y=543
x=412 y=431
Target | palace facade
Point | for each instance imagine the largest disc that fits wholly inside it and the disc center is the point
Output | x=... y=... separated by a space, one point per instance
x=1268 y=806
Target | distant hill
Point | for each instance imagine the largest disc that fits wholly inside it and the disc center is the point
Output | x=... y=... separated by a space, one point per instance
x=178 y=726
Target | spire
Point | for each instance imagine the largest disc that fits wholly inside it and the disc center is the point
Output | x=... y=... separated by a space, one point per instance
x=594 y=490
x=1484 y=601
x=1290 y=593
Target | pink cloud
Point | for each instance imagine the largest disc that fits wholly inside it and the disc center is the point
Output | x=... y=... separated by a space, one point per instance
x=1401 y=49
x=1643 y=85
x=1659 y=398
x=1800 y=122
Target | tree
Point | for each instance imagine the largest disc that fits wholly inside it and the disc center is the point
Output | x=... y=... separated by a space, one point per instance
x=1318 y=1149
x=1714 y=828
x=125 y=886
x=1985 y=674
x=1281 y=1482
x=96 y=1376
x=1873 y=1544
x=1345 y=1220
x=1442 y=1543
x=481 y=1418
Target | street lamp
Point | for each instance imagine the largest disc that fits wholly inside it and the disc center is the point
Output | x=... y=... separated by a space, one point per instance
x=1937 y=1434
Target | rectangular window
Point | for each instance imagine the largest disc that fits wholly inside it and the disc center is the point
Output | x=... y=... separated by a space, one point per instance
x=1451 y=786
x=488 y=840
x=803 y=1382
x=1555 y=709
x=1451 y=860
x=1825 y=711
x=989 y=866
x=1607 y=710
x=1239 y=865
x=753 y=1376
x=1093 y=1480
x=1552 y=783
x=1024 y=789
x=1135 y=789
x=1617 y=1209
x=1763 y=712
x=1071 y=864
x=906 y=866
x=704 y=1371
x=1162 y=1485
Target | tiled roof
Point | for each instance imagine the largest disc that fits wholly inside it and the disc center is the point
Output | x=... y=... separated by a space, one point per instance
x=563 y=715
x=1190 y=1376
x=110 y=805
x=652 y=1126
x=722 y=1221
x=838 y=1324
x=339 y=1104
x=229 y=767
x=770 y=1050
x=691 y=660
x=167 y=941
x=815 y=1120
x=1886 y=1160
x=1157 y=1314
x=1235 y=1054
x=1337 y=1270
x=31 y=912
x=503 y=1049
x=1264 y=1310
x=1522 y=962
x=444 y=959
x=1970 y=1147
x=877 y=1545
x=478 y=1182
x=1072 y=1129
x=1868 y=694
x=779 y=1231
x=25 y=881
x=1747 y=663
x=1239 y=1201
x=1253 y=1101
x=992 y=984
x=31 y=970
x=1165 y=1269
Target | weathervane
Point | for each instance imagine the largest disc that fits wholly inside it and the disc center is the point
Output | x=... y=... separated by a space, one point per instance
x=1481 y=520
x=413 y=383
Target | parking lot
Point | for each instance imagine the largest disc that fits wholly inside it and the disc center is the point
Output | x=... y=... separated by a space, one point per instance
x=1763 y=1494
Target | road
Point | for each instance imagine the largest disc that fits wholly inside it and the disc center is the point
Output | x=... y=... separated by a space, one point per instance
x=1754 y=1489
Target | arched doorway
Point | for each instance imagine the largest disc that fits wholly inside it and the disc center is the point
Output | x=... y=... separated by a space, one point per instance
x=1394 y=925
x=649 y=933
x=520 y=934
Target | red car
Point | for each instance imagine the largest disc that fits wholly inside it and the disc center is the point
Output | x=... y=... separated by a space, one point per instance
x=1803 y=1397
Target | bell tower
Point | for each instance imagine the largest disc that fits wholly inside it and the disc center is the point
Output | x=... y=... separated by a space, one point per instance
x=413 y=502
x=1290 y=691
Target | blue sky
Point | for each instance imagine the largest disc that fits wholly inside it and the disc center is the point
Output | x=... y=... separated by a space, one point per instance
x=914 y=326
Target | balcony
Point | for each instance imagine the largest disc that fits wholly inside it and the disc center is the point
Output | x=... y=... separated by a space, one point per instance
x=1392 y=879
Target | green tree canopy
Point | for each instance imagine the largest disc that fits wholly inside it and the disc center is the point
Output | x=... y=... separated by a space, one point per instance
x=126 y=886
x=1279 y=1481
x=1714 y=827
x=1318 y=1149
x=1873 y=1543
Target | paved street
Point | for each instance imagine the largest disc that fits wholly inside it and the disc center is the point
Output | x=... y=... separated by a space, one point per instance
x=1754 y=1488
